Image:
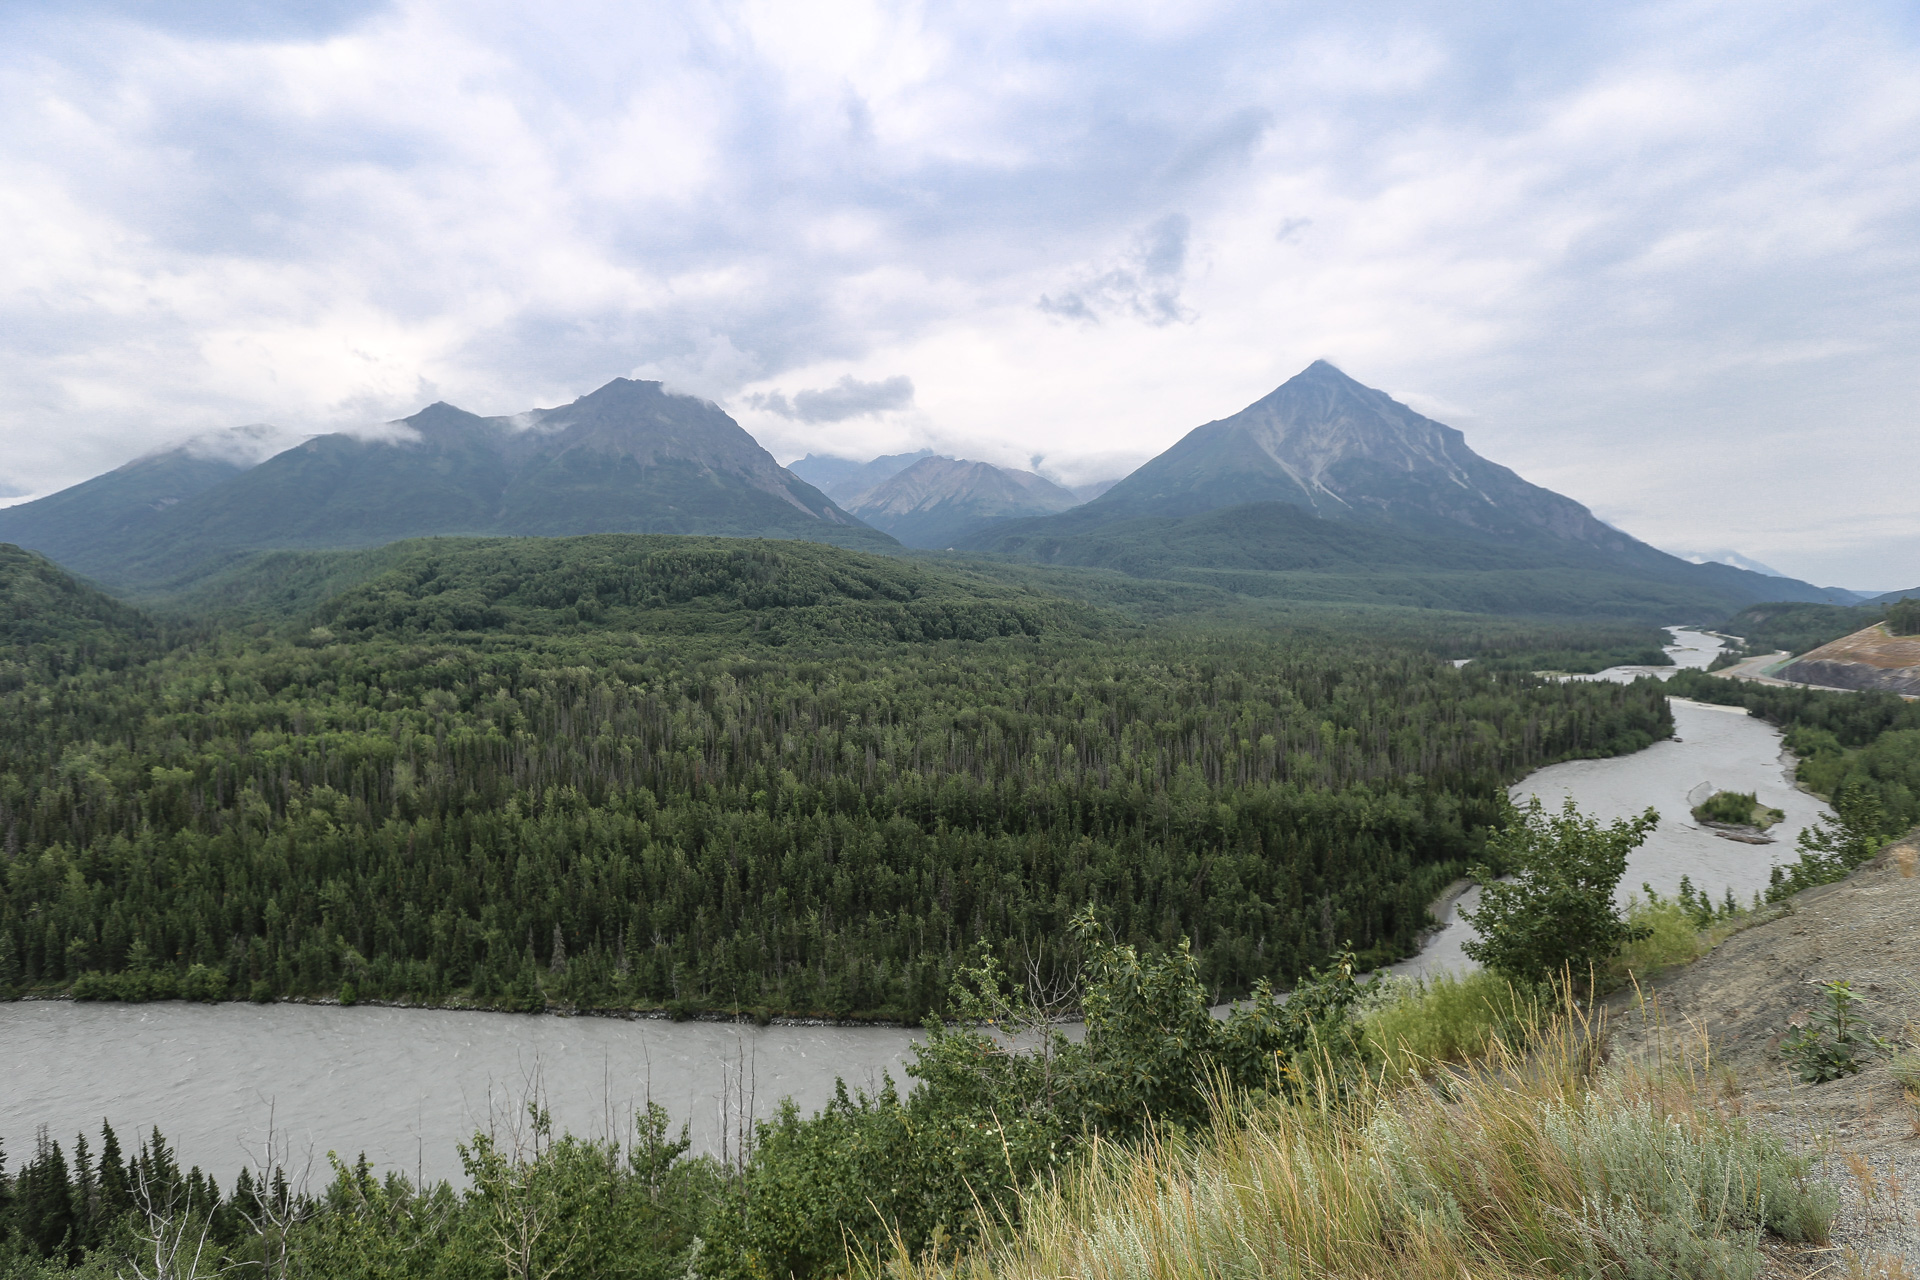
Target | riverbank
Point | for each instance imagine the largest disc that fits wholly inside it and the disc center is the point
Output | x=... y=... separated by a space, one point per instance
x=1748 y=994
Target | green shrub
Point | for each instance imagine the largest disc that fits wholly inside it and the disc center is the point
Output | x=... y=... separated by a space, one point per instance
x=1833 y=848
x=203 y=983
x=1669 y=936
x=1733 y=807
x=1835 y=1039
x=1737 y=809
x=1557 y=915
x=94 y=985
x=1445 y=1018
x=872 y=1172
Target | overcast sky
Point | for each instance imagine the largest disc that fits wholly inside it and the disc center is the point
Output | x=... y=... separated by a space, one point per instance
x=1663 y=258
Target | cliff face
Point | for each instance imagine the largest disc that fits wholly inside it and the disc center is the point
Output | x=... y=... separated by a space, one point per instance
x=1869 y=659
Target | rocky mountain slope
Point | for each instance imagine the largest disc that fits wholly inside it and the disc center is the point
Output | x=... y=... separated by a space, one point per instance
x=628 y=458
x=937 y=501
x=845 y=479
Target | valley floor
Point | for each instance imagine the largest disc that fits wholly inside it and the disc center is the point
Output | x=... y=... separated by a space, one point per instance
x=1752 y=990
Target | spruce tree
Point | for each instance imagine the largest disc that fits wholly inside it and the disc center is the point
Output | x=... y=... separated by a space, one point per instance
x=45 y=1202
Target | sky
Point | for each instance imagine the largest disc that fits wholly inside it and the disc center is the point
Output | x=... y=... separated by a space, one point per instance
x=1663 y=258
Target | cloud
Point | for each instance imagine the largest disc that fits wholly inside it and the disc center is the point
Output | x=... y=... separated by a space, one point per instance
x=246 y=446
x=847 y=398
x=1658 y=255
x=1145 y=285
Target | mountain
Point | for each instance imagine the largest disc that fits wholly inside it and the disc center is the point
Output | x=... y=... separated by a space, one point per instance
x=1088 y=492
x=92 y=520
x=1911 y=593
x=1733 y=558
x=844 y=479
x=939 y=500
x=628 y=458
x=1355 y=459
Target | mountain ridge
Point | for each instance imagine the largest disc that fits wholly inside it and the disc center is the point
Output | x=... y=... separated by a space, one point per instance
x=937 y=500
x=1353 y=457
x=629 y=457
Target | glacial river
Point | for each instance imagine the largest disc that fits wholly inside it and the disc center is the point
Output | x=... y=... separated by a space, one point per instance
x=406 y=1086
x=1713 y=749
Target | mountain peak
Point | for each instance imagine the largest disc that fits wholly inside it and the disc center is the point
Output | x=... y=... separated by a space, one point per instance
x=1344 y=450
x=937 y=501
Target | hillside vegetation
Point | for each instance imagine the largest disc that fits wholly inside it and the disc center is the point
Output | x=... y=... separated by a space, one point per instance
x=1280 y=551
x=1798 y=627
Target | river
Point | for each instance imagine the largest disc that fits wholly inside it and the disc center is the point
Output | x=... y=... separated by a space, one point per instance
x=1714 y=748
x=405 y=1086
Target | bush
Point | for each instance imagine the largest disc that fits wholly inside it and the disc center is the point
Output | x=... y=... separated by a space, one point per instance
x=1557 y=916
x=1731 y=807
x=203 y=983
x=1668 y=937
x=1834 y=1040
x=1835 y=846
x=873 y=1172
x=1445 y=1019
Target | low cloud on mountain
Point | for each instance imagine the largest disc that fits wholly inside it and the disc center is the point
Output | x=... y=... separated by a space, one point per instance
x=847 y=398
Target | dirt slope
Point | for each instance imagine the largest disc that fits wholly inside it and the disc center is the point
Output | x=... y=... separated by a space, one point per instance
x=1753 y=989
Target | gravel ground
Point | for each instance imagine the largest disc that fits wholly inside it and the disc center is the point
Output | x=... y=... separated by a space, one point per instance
x=1748 y=995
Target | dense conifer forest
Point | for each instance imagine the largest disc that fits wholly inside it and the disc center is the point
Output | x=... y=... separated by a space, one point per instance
x=628 y=772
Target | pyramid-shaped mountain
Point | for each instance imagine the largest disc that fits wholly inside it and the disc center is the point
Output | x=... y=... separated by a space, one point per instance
x=1327 y=475
x=937 y=501
x=628 y=458
x=1343 y=450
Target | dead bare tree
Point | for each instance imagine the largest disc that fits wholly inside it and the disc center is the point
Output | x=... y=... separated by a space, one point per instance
x=276 y=1207
x=738 y=1090
x=172 y=1238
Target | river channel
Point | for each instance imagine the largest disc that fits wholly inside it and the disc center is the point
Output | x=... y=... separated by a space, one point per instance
x=405 y=1086
x=1713 y=749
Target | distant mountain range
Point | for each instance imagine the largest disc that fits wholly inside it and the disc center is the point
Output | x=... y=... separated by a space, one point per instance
x=845 y=479
x=938 y=501
x=1323 y=490
x=628 y=458
x=929 y=500
x=1391 y=492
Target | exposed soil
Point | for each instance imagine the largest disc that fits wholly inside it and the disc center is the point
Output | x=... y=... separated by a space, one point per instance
x=1749 y=994
x=1871 y=659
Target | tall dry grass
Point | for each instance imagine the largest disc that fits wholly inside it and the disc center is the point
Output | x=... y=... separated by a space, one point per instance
x=1517 y=1165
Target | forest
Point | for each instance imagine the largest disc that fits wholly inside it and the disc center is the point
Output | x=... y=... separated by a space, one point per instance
x=765 y=778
